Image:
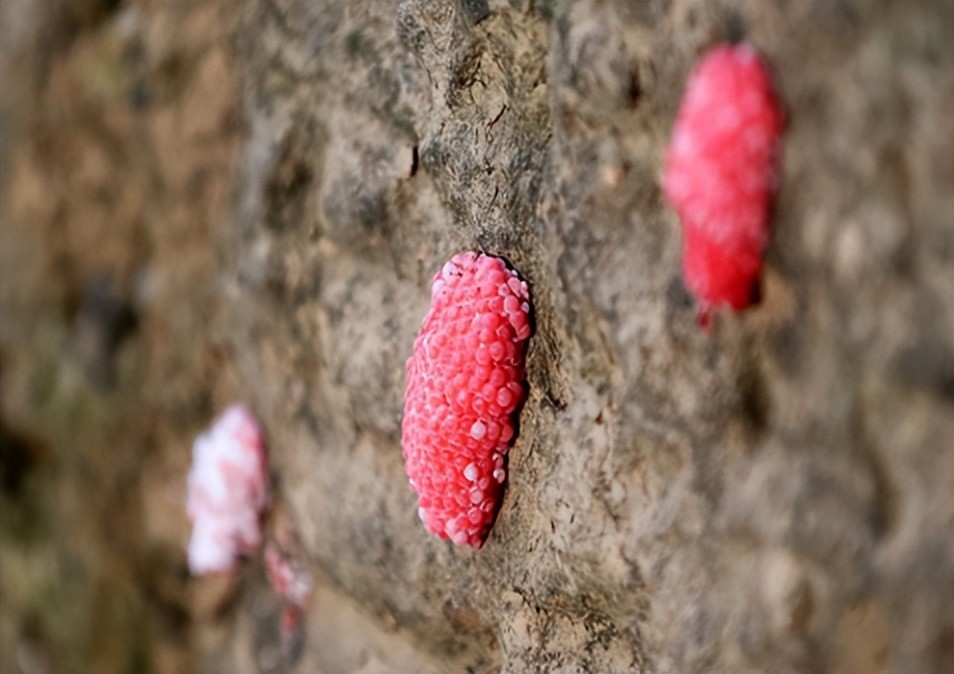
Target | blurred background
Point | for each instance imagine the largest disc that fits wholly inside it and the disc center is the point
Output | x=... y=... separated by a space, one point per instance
x=118 y=133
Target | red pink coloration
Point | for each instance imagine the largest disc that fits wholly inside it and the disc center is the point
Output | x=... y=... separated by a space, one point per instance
x=465 y=387
x=290 y=580
x=721 y=175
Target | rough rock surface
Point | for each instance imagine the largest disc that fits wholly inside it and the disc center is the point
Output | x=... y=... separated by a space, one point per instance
x=201 y=205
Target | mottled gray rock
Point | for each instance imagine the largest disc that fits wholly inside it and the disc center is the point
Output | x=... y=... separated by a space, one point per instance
x=773 y=496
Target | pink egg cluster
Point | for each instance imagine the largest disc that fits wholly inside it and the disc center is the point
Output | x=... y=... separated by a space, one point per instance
x=290 y=580
x=227 y=491
x=720 y=175
x=465 y=387
x=293 y=583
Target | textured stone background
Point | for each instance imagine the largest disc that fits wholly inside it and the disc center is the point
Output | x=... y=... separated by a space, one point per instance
x=205 y=202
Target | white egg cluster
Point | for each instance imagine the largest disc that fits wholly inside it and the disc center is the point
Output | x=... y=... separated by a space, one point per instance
x=227 y=491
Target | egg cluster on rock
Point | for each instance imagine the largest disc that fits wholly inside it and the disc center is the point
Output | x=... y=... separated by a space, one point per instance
x=227 y=491
x=287 y=576
x=465 y=387
x=720 y=175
